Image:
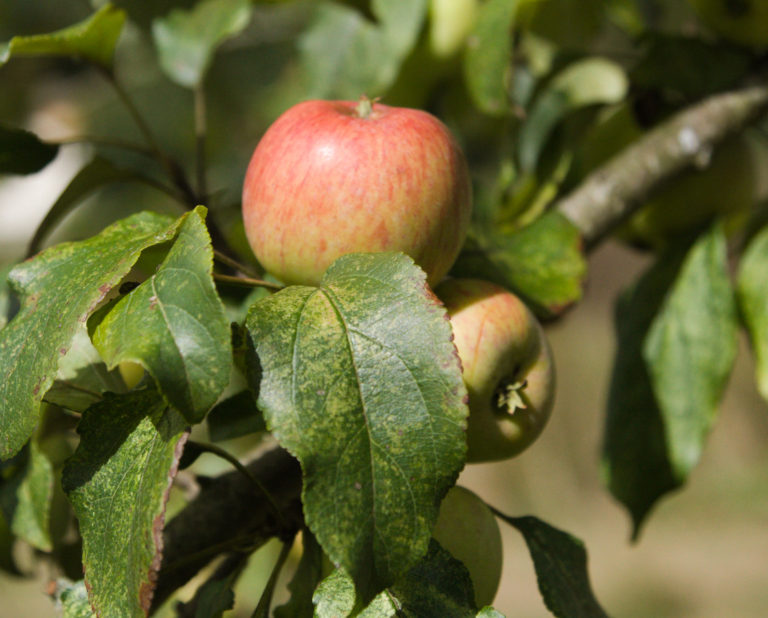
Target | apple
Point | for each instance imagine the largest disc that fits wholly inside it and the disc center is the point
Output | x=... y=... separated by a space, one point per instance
x=744 y=22
x=467 y=528
x=335 y=177
x=131 y=373
x=507 y=367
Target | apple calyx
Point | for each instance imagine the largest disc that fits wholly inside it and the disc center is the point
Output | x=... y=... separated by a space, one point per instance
x=509 y=396
x=364 y=107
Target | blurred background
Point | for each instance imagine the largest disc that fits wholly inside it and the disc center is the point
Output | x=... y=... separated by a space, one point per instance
x=704 y=550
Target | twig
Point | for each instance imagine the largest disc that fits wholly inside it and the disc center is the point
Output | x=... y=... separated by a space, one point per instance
x=246 y=282
x=614 y=191
x=173 y=170
x=223 y=258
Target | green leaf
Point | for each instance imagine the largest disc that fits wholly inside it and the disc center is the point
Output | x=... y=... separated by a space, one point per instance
x=234 y=417
x=628 y=16
x=437 y=586
x=82 y=376
x=306 y=578
x=335 y=596
x=25 y=497
x=362 y=384
x=345 y=56
x=753 y=302
x=93 y=40
x=217 y=594
x=59 y=289
x=691 y=347
x=187 y=40
x=589 y=81
x=488 y=59
x=22 y=152
x=95 y=174
x=543 y=263
x=560 y=561
x=185 y=337
x=118 y=482
x=73 y=599
x=636 y=464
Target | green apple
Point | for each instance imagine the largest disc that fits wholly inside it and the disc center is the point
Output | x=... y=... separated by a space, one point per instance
x=467 y=528
x=131 y=373
x=507 y=367
x=744 y=22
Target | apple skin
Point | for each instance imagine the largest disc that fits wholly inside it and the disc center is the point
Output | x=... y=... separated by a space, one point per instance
x=468 y=529
x=335 y=177
x=744 y=22
x=502 y=348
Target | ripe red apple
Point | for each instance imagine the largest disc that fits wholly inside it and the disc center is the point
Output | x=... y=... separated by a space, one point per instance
x=468 y=529
x=507 y=367
x=336 y=177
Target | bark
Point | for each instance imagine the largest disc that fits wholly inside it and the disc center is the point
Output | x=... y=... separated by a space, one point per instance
x=615 y=190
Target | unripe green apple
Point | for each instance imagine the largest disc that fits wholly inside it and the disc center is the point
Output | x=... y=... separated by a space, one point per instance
x=507 y=367
x=131 y=373
x=335 y=177
x=744 y=22
x=467 y=528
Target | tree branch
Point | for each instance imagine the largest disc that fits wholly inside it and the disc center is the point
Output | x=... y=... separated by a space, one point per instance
x=615 y=190
x=230 y=514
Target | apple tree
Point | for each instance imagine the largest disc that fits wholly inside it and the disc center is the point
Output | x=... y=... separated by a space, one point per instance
x=167 y=307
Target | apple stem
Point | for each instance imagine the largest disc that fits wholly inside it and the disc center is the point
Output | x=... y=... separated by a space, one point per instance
x=510 y=396
x=364 y=107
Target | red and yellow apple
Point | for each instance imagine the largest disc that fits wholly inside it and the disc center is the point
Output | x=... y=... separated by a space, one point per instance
x=507 y=367
x=468 y=529
x=335 y=177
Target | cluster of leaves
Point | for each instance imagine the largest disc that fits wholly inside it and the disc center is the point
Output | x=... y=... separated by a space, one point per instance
x=355 y=378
